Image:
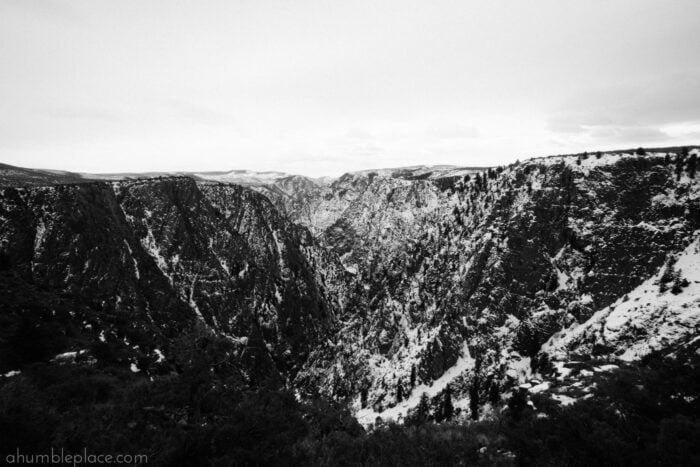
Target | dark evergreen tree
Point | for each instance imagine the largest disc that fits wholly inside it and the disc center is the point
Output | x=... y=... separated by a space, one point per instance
x=399 y=392
x=692 y=165
x=447 y=407
x=474 y=400
x=413 y=376
x=517 y=404
x=680 y=162
x=477 y=183
x=423 y=411
x=677 y=283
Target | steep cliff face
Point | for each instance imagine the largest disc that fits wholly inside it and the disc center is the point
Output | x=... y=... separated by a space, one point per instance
x=374 y=289
x=144 y=261
x=459 y=285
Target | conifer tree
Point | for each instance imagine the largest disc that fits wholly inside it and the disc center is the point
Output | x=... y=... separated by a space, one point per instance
x=692 y=165
x=423 y=412
x=474 y=400
x=678 y=283
x=447 y=407
x=680 y=160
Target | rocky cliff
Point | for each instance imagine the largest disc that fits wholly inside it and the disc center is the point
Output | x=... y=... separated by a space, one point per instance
x=465 y=285
x=142 y=262
x=478 y=284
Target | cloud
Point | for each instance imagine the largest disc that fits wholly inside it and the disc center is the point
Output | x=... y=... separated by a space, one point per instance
x=358 y=133
x=195 y=113
x=45 y=9
x=453 y=131
x=82 y=113
x=636 y=110
x=627 y=133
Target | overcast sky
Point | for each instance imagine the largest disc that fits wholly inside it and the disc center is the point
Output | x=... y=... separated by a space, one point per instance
x=325 y=87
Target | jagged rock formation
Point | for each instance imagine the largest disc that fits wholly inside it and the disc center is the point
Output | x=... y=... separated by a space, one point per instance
x=377 y=287
x=143 y=261
x=460 y=284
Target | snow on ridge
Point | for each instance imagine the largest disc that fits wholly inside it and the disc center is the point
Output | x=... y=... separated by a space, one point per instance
x=465 y=363
x=40 y=234
x=243 y=177
x=642 y=321
x=590 y=161
x=150 y=245
x=136 y=264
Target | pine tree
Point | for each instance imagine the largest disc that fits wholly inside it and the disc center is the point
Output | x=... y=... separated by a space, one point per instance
x=692 y=165
x=641 y=152
x=680 y=162
x=363 y=397
x=474 y=400
x=413 y=376
x=679 y=167
x=447 y=407
x=399 y=392
x=677 y=283
x=517 y=404
x=423 y=412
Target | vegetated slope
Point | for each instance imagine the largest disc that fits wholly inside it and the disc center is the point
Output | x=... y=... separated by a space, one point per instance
x=20 y=176
x=146 y=260
x=458 y=285
x=169 y=314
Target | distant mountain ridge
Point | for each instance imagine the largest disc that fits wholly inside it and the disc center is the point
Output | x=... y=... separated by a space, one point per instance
x=20 y=176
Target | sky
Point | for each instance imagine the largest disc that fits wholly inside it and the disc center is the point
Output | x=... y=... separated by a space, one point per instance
x=325 y=87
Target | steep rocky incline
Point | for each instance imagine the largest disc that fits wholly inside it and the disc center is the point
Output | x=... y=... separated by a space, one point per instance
x=459 y=285
x=464 y=285
x=140 y=262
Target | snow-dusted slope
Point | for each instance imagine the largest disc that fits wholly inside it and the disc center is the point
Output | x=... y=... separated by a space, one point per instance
x=242 y=177
x=19 y=176
x=151 y=259
x=497 y=263
x=408 y=281
x=650 y=318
